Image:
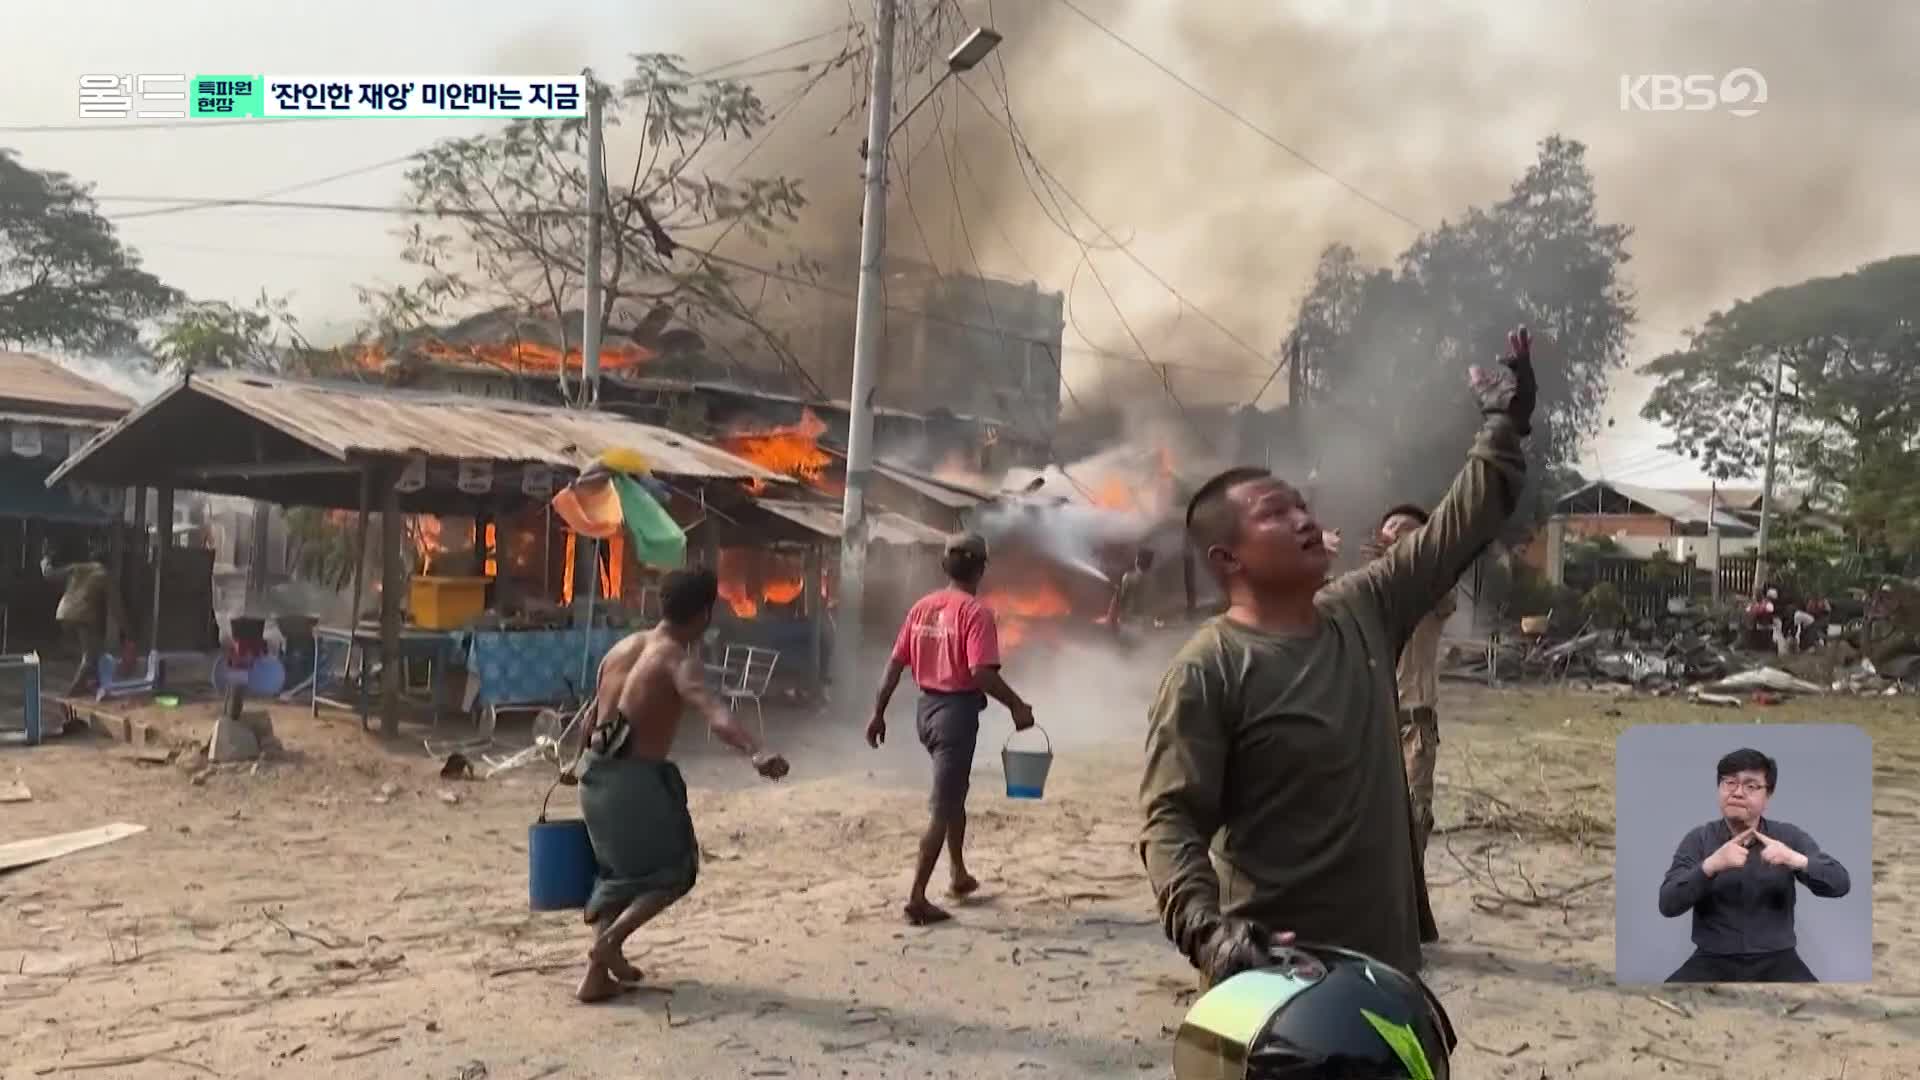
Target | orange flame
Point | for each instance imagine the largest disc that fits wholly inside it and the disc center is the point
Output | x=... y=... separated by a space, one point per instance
x=780 y=583
x=1015 y=612
x=511 y=356
x=792 y=450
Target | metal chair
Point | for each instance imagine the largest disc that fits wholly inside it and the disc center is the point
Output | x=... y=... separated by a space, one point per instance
x=745 y=673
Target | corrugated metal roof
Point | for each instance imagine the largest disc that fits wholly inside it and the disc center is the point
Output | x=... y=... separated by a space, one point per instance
x=1670 y=504
x=342 y=419
x=825 y=519
x=27 y=380
x=940 y=491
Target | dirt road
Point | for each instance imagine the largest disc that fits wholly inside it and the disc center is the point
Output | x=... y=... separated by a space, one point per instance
x=295 y=921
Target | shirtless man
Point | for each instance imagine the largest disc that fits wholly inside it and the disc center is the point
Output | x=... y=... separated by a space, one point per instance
x=634 y=800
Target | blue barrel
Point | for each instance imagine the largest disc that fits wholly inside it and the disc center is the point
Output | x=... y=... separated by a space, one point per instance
x=560 y=866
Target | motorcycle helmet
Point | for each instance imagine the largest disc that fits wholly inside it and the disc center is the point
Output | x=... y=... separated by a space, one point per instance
x=1317 y=1013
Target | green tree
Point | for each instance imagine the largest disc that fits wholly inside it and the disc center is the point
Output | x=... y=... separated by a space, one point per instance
x=66 y=281
x=216 y=334
x=1387 y=348
x=1849 y=347
x=508 y=230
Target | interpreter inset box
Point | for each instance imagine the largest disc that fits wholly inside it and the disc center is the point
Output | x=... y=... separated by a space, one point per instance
x=1743 y=853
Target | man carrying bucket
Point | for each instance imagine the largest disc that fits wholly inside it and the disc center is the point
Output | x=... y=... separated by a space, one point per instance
x=634 y=799
x=952 y=645
x=1276 y=729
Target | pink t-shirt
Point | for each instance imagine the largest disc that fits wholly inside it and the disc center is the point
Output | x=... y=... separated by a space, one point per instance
x=945 y=636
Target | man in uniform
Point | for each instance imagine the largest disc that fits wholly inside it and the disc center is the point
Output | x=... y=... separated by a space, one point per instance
x=1276 y=726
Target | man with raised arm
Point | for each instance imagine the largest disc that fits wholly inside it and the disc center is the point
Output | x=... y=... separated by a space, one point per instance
x=1276 y=727
x=634 y=800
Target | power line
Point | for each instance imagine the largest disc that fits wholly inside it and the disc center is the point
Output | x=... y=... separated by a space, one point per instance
x=287 y=190
x=738 y=264
x=777 y=49
x=1242 y=120
x=1052 y=179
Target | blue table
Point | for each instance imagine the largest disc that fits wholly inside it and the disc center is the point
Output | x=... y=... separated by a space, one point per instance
x=439 y=648
x=535 y=667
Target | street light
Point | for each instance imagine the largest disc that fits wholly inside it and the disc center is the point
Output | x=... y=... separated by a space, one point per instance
x=868 y=324
x=964 y=58
x=972 y=51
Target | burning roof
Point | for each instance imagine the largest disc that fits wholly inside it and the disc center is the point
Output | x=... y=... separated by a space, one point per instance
x=502 y=341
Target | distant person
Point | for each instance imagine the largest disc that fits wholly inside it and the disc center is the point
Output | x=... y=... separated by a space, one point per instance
x=1737 y=873
x=1274 y=729
x=1417 y=678
x=1128 y=607
x=82 y=610
x=634 y=800
x=952 y=645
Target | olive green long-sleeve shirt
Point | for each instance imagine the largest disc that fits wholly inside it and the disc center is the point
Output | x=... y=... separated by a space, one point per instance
x=1288 y=748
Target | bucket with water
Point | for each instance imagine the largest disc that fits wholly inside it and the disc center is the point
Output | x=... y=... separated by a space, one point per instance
x=1026 y=769
x=560 y=866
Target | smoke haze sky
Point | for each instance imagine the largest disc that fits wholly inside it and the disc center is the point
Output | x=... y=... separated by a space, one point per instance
x=1427 y=107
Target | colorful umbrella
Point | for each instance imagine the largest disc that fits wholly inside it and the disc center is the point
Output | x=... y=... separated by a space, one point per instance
x=619 y=492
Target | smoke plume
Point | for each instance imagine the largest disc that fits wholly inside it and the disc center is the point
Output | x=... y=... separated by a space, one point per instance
x=1426 y=108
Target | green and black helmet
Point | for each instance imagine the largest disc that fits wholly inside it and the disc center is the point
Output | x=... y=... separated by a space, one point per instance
x=1318 y=1013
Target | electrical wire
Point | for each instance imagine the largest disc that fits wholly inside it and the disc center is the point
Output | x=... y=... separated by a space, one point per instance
x=1242 y=120
x=287 y=190
x=1124 y=249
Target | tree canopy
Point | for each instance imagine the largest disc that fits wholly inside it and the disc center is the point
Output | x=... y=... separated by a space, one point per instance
x=216 y=334
x=66 y=281
x=1389 y=348
x=1850 y=405
x=508 y=229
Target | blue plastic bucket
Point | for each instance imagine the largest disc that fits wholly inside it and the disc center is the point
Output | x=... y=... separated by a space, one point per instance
x=560 y=865
x=1026 y=769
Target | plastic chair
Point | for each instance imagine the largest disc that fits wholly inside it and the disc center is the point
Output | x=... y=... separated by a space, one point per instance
x=745 y=673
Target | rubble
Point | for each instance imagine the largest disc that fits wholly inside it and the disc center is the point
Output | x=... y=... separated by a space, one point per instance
x=1694 y=659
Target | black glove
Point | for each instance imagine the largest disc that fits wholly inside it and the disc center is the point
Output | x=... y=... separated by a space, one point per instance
x=1510 y=390
x=1234 y=946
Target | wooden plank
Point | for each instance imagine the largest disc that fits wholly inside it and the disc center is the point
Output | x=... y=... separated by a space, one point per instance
x=14 y=791
x=42 y=848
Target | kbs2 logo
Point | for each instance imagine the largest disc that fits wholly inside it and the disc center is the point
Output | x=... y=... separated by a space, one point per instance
x=1741 y=92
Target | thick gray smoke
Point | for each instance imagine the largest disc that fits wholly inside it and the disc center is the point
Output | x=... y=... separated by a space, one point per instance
x=1428 y=108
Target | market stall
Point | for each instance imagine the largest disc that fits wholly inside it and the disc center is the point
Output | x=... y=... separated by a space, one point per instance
x=397 y=457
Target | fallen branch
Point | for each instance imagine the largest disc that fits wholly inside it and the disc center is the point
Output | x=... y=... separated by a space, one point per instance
x=349 y=1055
x=302 y=934
x=117 y=1062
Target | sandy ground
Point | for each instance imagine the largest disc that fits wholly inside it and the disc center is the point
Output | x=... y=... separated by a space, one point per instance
x=291 y=920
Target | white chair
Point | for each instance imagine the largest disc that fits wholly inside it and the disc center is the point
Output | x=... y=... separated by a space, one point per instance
x=745 y=673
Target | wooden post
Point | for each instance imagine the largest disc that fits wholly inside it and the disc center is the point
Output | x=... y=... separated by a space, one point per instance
x=137 y=545
x=117 y=577
x=816 y=611
x=392 y=584
x=503 y=589
x=360 y=545
x=163 y=532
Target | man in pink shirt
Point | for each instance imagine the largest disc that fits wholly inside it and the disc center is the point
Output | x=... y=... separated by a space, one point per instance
x=952 y=645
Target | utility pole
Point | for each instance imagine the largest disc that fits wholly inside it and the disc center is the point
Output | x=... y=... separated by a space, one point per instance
x=1766 y=488
x=868 y=316
x=586 y=561
x=590 y=318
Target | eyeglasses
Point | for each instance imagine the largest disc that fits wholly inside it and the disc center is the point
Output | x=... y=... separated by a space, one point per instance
x=1751 y=787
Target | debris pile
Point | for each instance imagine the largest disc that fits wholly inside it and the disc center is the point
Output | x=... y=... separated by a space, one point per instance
x=1699 y=657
